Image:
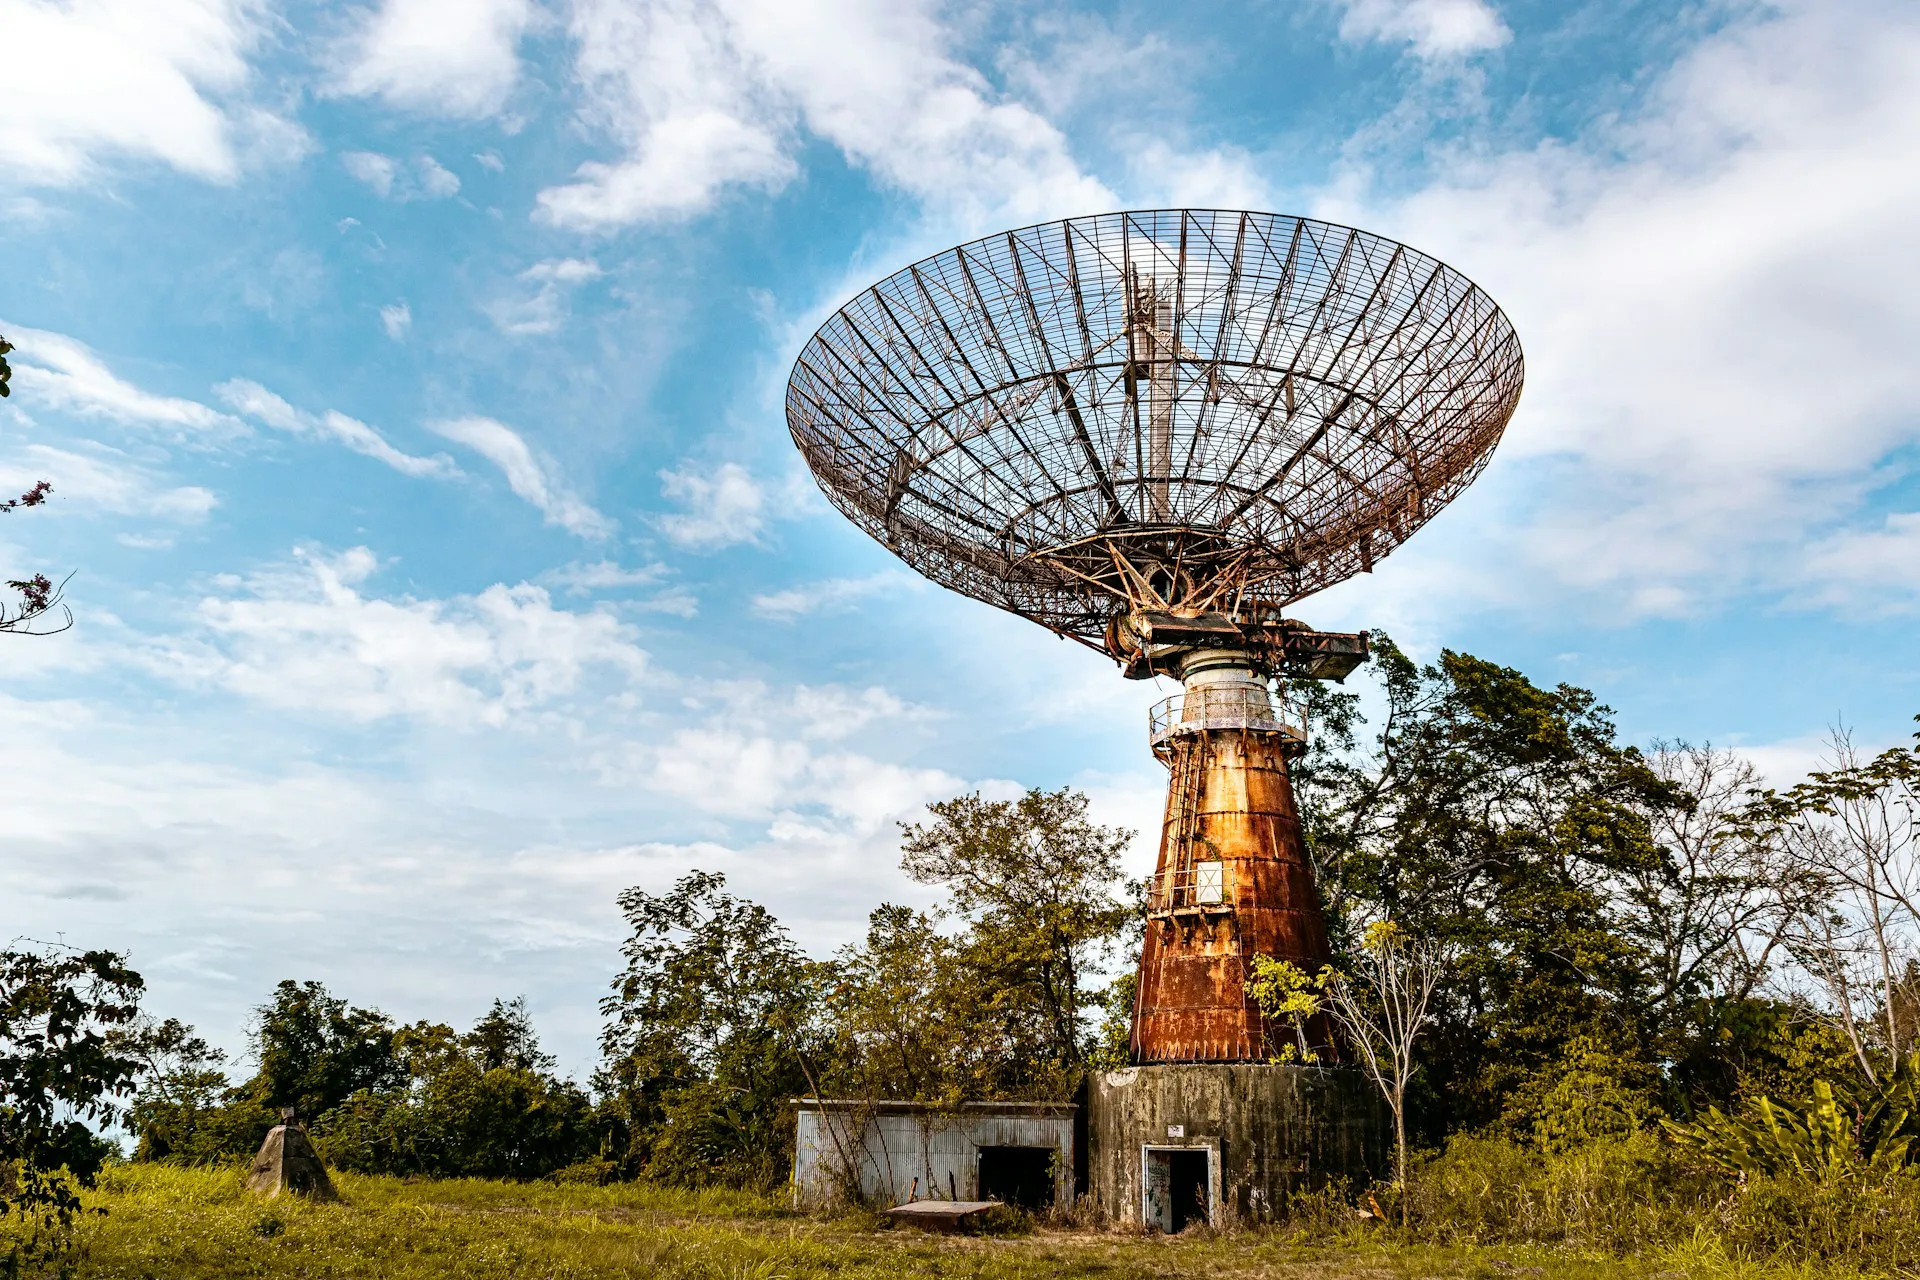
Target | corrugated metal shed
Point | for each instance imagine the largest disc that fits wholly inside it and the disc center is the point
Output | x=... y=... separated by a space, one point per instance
x=898 y=1152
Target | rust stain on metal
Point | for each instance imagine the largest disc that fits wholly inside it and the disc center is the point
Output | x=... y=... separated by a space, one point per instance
x=1230 y=801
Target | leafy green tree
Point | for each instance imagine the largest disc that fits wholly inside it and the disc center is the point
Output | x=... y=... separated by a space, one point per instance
x=710 y=1029
x=504 y=1038
x=179 y=1114
x=1035 y=879
x=315 y=1051
x=480 y=1105
x=63 y=1076
x=1501 y=820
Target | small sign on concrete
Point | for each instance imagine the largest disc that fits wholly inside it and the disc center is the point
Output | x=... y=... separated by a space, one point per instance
x=1176 y=1131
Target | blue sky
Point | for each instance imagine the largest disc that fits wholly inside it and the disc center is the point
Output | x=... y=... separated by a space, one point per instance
x=409 y=375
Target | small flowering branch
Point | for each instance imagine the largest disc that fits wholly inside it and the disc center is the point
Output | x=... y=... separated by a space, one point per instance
x=40 y=597
x=31 y=498
x=39 y=594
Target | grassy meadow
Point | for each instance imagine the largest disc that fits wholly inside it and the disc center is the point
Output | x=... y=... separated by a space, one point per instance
x=167 y=1222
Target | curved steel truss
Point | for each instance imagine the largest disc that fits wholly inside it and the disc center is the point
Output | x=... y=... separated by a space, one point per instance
x=1180 y=410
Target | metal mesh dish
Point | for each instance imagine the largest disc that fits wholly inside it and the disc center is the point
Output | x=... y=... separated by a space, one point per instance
x=1179 y=409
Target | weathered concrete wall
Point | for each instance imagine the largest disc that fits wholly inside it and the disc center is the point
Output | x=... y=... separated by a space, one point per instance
x=1274 y=1128
x=905 y=1151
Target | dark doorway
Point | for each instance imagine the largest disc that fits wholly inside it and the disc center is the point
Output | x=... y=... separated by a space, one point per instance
x=1020 y=1176
x=1187 y=1179
x=1177 y=1188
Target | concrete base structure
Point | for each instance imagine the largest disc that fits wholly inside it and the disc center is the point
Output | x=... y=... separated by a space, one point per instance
x=287 y=1162
x=1170 y=1145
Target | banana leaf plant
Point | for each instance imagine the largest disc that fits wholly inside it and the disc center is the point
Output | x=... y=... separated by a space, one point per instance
x=1825 y=1139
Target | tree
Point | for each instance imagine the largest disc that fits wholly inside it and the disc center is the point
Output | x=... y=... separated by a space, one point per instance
x=1288 y=997
x=1502 y=820
x=315 y=1051
x=1852 y=832
x=40 y=596
x=708 y=1033
x=63 y=1075
x=480 y=1105
x=176 y=1114
x=1383 y=1014
x=1035 y=880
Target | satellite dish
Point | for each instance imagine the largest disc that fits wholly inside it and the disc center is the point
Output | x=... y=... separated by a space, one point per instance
x=1178 y=411
x=1150 y=432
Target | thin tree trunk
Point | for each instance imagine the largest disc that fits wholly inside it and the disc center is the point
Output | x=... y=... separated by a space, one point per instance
x=1400 y=1148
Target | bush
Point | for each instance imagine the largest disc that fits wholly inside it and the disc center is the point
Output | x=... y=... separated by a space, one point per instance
x=1874 y=1225
x=1620 y=1195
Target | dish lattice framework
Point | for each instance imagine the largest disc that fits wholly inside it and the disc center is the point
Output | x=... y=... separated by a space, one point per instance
x=1185 y=410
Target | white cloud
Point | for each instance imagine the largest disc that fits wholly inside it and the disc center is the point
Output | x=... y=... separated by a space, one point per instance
x=546 y=308
x=144 y=79
x=724 y=506
x=586 y=579
x=58 y=371
x=436 y=181
x=534 y=480
x=1432 y=29
x=262 y=405
x=391 y=179
x=1874 y=571
x=763 y=746
x=490 y=160
x=452 y=58
x=831 y=595
x=563 y=271
x=582 y=578
x=305 y=637
x=706 y=95
x=105 y=479
x=1718 y=353
x=361 y=438
x=372 y=168
x=396 y=319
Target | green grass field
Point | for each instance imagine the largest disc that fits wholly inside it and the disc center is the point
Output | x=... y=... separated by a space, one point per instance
x=164 y=1222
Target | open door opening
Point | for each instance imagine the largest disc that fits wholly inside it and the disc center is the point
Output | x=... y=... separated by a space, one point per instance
x=1021 y=1176
x=1178 y=1192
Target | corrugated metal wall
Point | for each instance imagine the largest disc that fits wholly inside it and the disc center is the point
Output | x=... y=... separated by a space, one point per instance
x=901 y=1154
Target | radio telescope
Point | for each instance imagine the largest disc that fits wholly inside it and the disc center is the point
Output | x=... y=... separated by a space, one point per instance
x=1151 y=432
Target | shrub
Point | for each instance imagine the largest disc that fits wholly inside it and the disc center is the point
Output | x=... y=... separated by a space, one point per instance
x=1619 y=1194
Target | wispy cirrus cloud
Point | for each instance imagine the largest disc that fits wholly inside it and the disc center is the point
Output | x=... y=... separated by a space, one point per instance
x=544 y=310
x=831 y=595
x=64 y=373
x=422 y=178
x=722 y=506
x=256 y=402
x=536 y=480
